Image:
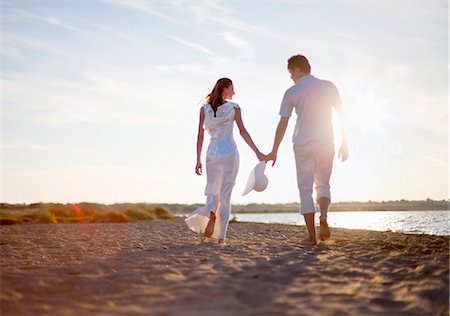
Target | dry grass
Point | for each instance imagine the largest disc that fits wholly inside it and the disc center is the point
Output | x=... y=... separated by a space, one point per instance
x=79 y=213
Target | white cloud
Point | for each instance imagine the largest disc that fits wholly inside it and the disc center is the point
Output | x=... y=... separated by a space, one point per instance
x=91 y=97
x=27 y=146
x=47 y=19
x=143 y=6
x=440 y=162
x=234 y=40
x=214 y=13
x=194 y=46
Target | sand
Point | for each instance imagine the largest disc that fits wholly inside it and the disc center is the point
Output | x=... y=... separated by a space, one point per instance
x=158 y=268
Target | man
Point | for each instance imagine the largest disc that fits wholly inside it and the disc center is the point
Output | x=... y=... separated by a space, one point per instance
x=313 y=100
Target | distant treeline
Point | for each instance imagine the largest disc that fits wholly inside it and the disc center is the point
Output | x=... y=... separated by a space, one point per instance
x=125 y=212
x=399 y=205
x=79 y=213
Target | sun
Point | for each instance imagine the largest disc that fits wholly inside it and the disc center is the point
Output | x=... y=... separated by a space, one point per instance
x=369 y=113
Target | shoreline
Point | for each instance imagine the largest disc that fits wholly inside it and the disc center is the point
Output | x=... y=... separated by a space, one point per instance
x=234 y=221
x=158 y=267
x=436 y=228
x=383 y=206
x=331 y=211
x=349 y=211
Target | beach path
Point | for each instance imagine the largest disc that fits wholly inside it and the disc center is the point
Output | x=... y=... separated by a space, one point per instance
x=158 y=268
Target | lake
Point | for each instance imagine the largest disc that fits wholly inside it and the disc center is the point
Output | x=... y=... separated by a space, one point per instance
x=426 y=222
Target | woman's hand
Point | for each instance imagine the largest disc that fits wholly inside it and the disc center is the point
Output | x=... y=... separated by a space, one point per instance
x=198 y=168
x=261 y=156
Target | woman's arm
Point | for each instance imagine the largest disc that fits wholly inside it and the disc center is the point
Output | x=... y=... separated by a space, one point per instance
x=245 y=135
x=201 y=132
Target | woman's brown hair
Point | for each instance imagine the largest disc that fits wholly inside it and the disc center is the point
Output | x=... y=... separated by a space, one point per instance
x=215 y=97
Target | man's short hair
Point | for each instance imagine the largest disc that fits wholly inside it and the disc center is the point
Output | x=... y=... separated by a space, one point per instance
x=301 y=62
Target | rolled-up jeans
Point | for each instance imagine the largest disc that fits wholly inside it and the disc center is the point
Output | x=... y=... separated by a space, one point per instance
x=314 y=162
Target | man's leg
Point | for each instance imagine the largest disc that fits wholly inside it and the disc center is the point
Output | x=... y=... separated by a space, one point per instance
x=309 y=220
x=324 y=155
x=305 y=181
x=324 y=204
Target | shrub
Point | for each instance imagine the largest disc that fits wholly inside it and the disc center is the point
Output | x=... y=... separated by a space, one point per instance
x=162 y=213
x=83 y=212
x=114 y=217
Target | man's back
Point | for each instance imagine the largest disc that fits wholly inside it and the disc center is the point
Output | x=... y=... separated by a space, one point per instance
x=312 y=99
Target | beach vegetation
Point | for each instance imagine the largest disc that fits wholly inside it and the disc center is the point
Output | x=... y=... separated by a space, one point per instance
x=11 y=214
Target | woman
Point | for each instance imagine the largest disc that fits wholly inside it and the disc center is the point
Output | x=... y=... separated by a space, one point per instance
x=217 y=116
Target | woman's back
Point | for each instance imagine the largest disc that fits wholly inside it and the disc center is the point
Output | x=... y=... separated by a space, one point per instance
x=220 y=128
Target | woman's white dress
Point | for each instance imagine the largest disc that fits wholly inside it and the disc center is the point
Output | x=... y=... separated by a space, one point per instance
x=222 y=164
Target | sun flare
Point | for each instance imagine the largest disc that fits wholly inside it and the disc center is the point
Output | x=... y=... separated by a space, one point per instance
x=369 y=113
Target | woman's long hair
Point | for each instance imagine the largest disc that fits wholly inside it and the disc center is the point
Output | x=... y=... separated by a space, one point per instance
x=215 y=97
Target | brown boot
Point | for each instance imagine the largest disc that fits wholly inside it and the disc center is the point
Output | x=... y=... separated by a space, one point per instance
x=210 y=227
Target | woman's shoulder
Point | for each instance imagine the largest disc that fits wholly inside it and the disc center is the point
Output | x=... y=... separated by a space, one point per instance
x=233 y=104
x=206 y=106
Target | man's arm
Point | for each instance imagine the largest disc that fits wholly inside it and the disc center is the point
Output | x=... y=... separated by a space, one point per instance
x=279 y=134
x=337 y=102
x=344 y=151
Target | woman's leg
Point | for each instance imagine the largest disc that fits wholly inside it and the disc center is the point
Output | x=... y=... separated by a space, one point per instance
x=213 y=206
x=225 y=209
x=225 y=194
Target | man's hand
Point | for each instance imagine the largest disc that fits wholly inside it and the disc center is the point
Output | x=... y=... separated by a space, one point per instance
x=343 y=152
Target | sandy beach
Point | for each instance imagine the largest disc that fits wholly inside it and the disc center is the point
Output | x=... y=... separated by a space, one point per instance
x=158 y=268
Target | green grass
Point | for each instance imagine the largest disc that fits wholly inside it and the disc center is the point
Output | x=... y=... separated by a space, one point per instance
x=11 y=214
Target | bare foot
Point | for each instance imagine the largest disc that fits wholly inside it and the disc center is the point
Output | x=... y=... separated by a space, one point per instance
x=210 y=227
x=324 y=230
x=201 y=238
x=221 y=242
x=309 y=241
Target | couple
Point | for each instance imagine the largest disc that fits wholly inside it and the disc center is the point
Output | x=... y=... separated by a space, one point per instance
x=313 y=100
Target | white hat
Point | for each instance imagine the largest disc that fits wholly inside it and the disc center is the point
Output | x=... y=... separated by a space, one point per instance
x=257 y=180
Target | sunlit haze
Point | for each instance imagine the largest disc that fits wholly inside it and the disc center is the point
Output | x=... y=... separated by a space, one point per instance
x=100 y=99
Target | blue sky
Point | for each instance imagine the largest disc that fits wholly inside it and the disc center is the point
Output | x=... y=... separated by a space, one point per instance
x=100 y=99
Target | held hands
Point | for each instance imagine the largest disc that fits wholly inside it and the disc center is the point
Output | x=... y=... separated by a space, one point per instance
x=260 y=156
x=271 y=156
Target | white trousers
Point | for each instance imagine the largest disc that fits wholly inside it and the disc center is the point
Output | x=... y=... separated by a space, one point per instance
x=314 y=162
x=221 y=174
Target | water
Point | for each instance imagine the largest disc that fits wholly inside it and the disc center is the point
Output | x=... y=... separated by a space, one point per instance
x=418 y=222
